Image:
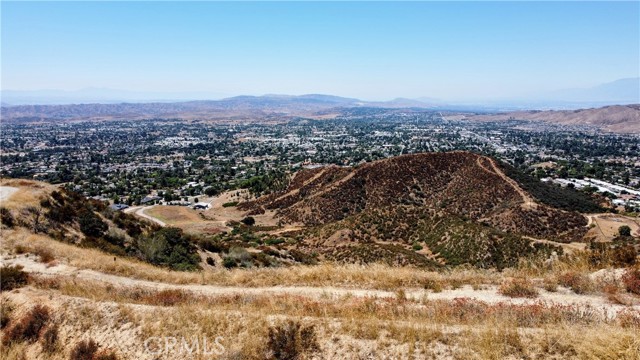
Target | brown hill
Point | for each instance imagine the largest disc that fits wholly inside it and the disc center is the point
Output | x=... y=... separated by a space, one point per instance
x=617 y=118
x=460 y=205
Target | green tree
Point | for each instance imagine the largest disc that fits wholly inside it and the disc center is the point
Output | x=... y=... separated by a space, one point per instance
x=169 y=246
x=249 y=221
x=624 y=230
x=91 y=224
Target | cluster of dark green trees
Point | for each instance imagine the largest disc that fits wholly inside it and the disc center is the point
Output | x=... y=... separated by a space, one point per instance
x=119 y=233
x=552 y=195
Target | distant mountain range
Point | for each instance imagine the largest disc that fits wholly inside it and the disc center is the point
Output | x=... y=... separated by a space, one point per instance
x=619 y=92
x=279 y=108
x=623 y=91
x=234 y=108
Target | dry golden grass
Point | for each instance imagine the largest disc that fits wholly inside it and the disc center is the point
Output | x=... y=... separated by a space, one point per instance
x=399 y=310
x=375 y=276
x=607 y=225
x=174 y=215
x=348 y=326
x=29 y=193
x=372 y=276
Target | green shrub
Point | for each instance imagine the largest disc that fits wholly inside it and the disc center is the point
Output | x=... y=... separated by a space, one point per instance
x=563 y=198
x=229 y=262
x=171 y=247
x=274 y=241
x=624 y=230
x=230 y=204
x=91 y=224
x=215 y=246
x=249 y=221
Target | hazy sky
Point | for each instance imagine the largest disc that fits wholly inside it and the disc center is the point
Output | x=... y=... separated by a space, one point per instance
x=366 y=50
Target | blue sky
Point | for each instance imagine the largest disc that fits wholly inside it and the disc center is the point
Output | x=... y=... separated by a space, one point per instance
x=458 y=50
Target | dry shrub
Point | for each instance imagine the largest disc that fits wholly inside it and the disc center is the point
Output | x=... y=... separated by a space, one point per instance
x=12 y=277
x=6 y=310
x=499 y=343
x=45 y=255
x=433 y=285
x=612 y=292
x=88 y=350
x=550 y=284
x=519 y=287
x=169 y=297
x=6 y=218
x=84 y=350
x=46 y=282
x=49 y=339
x=579 y=283
x=291 y=341
x=629 y=318
x=21 y=249
x=631 y=280
x=105 y=355
x=29 y=327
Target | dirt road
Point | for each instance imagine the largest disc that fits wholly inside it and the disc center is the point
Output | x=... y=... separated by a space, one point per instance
x=488 y=294
x=6 y=192
x=139 y=210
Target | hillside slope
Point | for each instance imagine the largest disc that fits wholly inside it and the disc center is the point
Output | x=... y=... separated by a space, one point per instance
x=44 y=209
x=460 y=205
x=617 y=118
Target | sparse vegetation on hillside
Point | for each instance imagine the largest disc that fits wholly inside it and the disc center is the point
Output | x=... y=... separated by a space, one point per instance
x=457 y=206
x=29 y=327
x=67 y=216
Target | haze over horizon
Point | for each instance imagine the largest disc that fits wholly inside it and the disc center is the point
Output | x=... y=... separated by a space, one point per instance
x=372 y=51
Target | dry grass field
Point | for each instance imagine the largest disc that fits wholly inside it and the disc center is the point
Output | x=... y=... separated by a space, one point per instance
x=29 y=193
x=606 y=226
x=174 y=215
x=210 y=221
